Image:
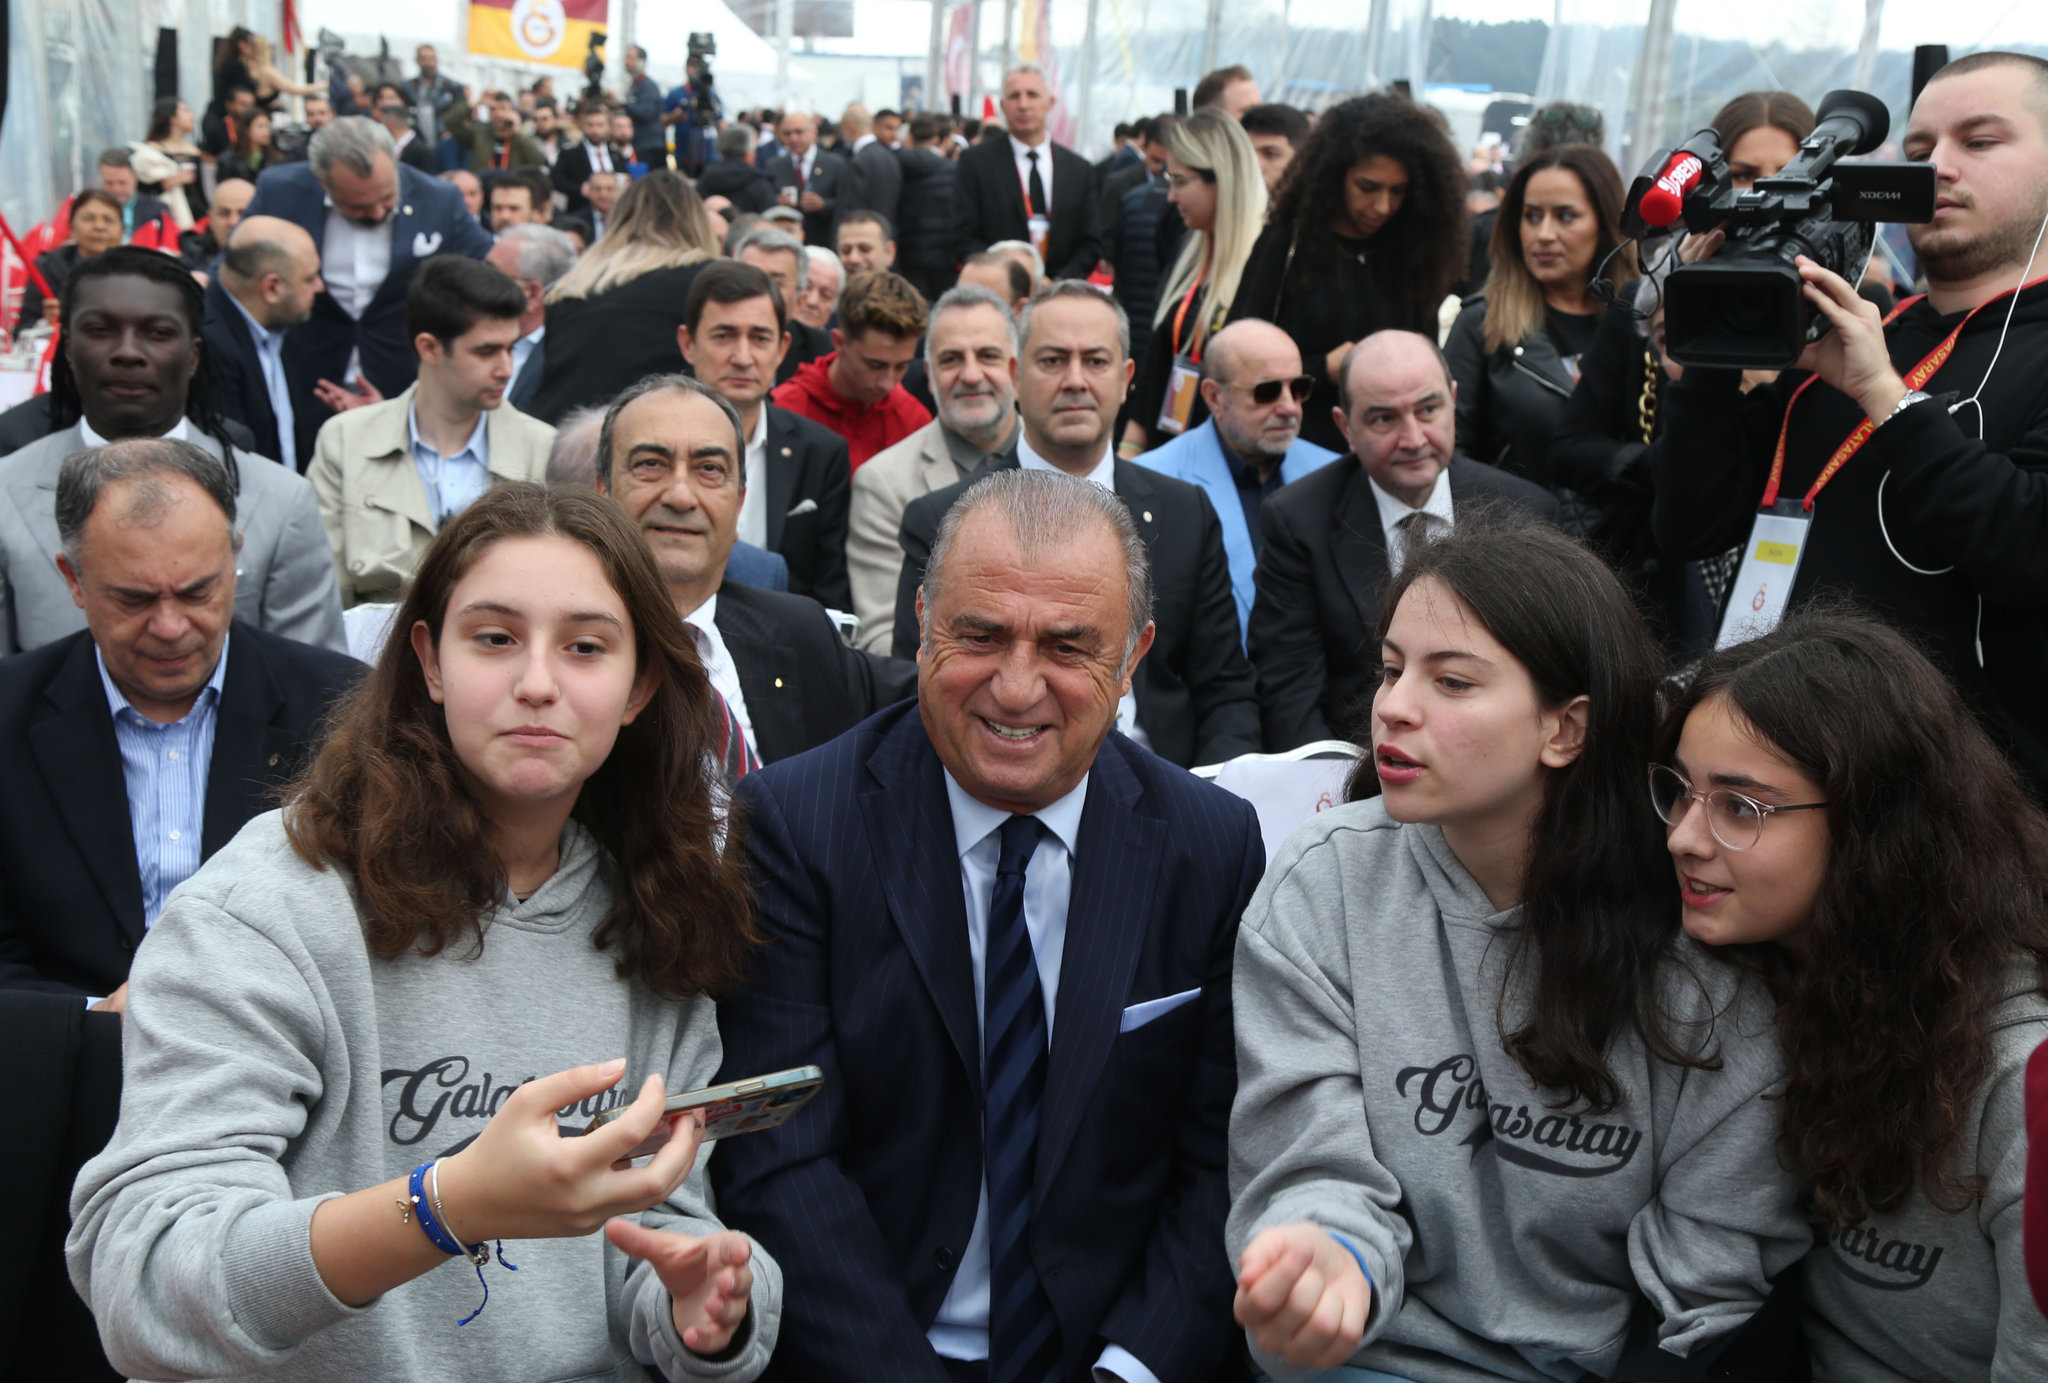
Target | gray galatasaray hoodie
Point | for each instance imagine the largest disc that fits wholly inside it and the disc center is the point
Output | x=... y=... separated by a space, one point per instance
x=1507 y=1238
x=272 y=1061
x=1920 y=1295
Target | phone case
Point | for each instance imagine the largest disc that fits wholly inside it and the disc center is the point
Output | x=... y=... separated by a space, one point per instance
x=738 y=1107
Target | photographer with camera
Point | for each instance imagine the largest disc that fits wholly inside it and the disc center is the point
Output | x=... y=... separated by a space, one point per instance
x=1907 y=469
x=695 y=108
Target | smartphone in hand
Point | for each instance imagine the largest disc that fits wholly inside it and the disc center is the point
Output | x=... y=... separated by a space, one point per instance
x=741 y=1106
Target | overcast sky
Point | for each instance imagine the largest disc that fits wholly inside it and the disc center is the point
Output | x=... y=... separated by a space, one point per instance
x=1962 y=24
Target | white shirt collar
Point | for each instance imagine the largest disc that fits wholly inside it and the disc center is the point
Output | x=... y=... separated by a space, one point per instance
x=1103 y=473
x=1393 y=511
x=534 y=337
x=863 y=142
x=705 y=616
x=1021 y=150
x=973 y=819
x=181 y=431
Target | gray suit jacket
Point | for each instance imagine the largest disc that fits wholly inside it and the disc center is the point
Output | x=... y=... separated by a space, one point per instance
x=284 y=576
x=882 y=489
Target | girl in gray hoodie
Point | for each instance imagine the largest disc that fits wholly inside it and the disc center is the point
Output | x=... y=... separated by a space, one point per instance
x=1491 y=1103
x=346 y=1036
x=1840 y=822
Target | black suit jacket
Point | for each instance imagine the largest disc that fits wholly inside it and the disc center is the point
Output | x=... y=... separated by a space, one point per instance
x=597 y=346
x=243 y=394
x=832 y=178
x=1314 y=633
x=988 y=205
x=806 y=343
x=802 y=684
x=571 y=171
x=810 y=491
x=868 y=1196
x=880 y=181
x=1197 y=702
x=70 y=889
x=526 y=384
x=418 y=155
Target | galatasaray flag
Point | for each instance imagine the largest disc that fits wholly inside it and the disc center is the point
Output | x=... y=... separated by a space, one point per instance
x=550 y=31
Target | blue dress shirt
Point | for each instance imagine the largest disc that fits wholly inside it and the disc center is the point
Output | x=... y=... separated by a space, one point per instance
x=961 y=1328
x=452 y=483
x=165 y=767
x=270 y=352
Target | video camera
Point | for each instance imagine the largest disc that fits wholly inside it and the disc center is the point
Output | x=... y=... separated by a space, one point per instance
x=703 y=106
x=1745 y=308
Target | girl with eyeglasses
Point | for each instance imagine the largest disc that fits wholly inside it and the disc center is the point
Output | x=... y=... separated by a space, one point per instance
x=1212 y=176
x=1842 y=825
x=1492 y=1103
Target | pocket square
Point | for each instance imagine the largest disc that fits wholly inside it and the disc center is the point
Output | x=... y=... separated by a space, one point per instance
x=809 y=506
x=425 y=244
x=1138 y=1015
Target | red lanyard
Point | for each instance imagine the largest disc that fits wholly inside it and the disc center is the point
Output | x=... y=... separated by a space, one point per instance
x=1181 y=314
x=1915 y=378
x=503 y=158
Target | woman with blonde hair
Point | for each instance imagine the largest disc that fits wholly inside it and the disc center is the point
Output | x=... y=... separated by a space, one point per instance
x=1515 y=349
x=1213 y=177
x=612 y=318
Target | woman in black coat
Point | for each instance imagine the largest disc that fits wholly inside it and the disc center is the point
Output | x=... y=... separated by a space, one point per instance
x=611 y=320
x=1368 y=231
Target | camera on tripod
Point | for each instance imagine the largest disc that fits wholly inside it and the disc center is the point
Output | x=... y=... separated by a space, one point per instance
x=703 y=106
x=1745 y=308
x=593 y=67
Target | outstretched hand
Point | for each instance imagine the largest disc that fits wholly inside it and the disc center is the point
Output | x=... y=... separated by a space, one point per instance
x=1302 y=1296
x=709 y=1280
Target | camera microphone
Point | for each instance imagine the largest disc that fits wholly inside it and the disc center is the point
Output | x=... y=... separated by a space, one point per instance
x=1663 y=203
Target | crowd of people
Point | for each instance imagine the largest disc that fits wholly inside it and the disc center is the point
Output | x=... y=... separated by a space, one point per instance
x=511 y=612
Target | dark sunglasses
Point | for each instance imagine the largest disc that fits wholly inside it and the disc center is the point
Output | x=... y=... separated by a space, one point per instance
x=1267 y=391
x=1557 y=117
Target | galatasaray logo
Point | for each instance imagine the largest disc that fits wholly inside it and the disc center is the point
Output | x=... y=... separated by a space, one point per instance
x=538 y=27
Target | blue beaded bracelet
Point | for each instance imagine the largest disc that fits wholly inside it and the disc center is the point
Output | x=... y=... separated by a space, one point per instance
x=434 y=1225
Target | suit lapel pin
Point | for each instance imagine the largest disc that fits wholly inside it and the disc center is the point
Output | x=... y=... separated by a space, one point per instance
x=778 y=681
x=405 y=211
x=1148 y=516
x=785 y=451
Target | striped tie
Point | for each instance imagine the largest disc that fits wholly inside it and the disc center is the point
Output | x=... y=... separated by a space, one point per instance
x=1023 y=1335
x=735 y=755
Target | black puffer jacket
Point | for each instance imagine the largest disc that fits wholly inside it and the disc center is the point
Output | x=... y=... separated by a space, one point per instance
x=924 y=239
x=1510 y=403
x=1136 y=257
x=749 y=188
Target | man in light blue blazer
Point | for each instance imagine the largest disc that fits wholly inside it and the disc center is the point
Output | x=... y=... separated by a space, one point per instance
x=1251 y=445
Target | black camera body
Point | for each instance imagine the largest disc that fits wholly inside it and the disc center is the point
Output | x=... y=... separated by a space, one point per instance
x=703 y=108
x=593 y=67
x=1745 y=308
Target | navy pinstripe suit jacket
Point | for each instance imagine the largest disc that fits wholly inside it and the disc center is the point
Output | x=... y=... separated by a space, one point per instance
x=868 y=1196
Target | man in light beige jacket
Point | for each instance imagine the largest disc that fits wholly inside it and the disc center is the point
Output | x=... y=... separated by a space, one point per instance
x=390 y=474
x=971 y=350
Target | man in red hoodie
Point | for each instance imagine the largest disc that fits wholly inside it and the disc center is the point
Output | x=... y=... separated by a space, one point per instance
x=857 y=391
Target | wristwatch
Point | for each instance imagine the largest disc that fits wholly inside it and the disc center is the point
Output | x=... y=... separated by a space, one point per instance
x=1912 y=396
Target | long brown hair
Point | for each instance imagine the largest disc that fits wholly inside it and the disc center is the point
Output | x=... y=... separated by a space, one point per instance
x=1935 y=891
x=385 y=798
x=1514 y=300
x=1755 y=109
x=1599 y=917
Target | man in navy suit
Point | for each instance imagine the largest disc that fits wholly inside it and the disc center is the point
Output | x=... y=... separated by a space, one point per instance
x=374 y=220
x=1005 y=936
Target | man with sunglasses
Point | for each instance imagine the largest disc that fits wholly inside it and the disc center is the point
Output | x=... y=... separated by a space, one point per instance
x=1251 y=445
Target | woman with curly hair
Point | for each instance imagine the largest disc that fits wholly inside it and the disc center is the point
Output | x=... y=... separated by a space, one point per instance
x=1367 y=232
x=1841 y=823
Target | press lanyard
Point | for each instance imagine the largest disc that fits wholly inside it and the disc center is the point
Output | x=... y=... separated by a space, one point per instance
x=1181 y=314
x=1918 y=376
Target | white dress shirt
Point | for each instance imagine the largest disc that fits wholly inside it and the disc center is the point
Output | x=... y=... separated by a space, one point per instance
x=1103 y=474
x=181 y=431
x=354 y=260
x=720 y=668
x=1393 y=511
x=806 y=165
x=522 y=351
x=960 y=1330
x=754 y=503
x=452 y=482
x=1022 y=152
x=600 y=157
x=270 y=354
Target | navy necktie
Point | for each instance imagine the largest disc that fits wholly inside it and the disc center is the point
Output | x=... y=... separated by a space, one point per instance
x=1023 y=1335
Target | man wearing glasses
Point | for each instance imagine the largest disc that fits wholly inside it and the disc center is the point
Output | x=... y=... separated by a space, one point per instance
x=1253 y=386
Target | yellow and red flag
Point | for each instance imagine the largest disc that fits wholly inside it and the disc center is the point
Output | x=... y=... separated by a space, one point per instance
x=550 y=31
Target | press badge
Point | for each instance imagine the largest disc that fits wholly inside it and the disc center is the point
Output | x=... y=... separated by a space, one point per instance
x=1183 y=383
x=1763 y=583
x=1040 y=228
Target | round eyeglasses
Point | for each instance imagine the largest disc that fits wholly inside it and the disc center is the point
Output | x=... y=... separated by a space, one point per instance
x=1737 y=821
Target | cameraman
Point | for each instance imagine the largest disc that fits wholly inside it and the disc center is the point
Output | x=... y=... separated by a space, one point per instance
x=1936 y=519
x=695 y=107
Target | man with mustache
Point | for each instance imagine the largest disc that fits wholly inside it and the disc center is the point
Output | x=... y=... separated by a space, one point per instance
x=971 y=345
x=672 y=452
x=1191 y=701
x=1938 y=419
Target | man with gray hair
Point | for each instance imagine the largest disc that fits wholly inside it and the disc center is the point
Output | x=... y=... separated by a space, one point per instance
x=1056 y=212
x=971 y=349
x=942 y=890
x=134 y=749
x=734 y=174
x=780 y=256
x=375 y=221
x=533 y=257
x=1193 y=701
